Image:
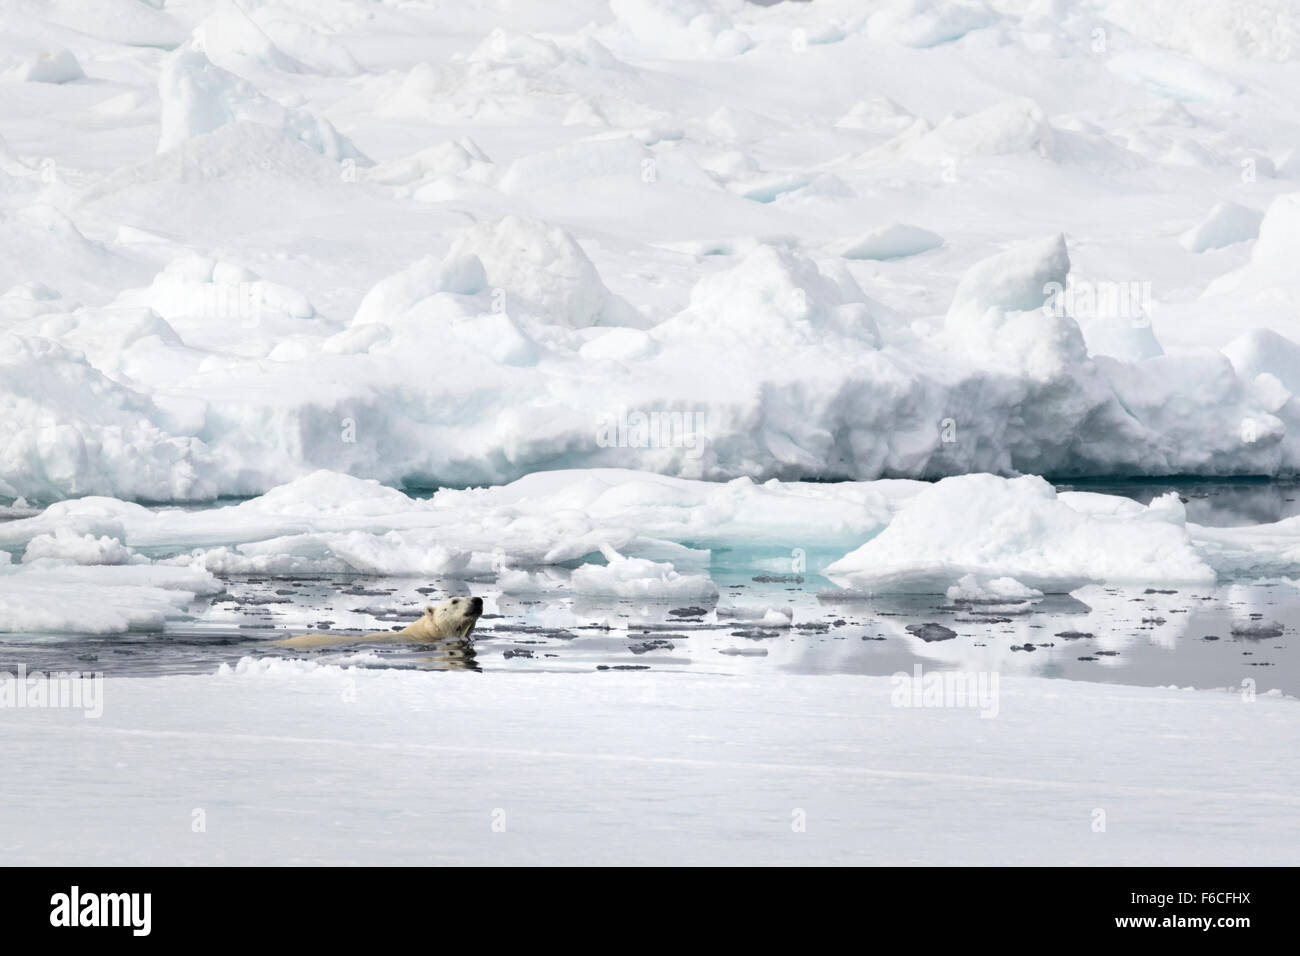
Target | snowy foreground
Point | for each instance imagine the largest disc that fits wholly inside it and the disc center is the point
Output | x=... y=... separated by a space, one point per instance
x=261 y=765
x=455 y=244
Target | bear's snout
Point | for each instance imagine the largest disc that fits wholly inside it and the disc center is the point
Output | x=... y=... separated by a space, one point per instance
x=476 y=605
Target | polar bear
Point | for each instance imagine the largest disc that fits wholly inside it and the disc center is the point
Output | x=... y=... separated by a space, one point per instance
x=453 y=619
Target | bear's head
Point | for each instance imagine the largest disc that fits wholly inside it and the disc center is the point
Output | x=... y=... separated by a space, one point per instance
x=454 y=617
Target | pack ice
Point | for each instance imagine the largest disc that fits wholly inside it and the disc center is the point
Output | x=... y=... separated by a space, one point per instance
x=269 y=250
x=240 y=243
x=617 y=533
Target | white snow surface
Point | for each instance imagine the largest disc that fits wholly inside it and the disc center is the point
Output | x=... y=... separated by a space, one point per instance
x=453 y=246
x=633 y=768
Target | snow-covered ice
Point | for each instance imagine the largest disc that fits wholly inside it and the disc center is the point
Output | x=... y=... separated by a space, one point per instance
x=469 y=249
x=636 y=768
x=633 y=532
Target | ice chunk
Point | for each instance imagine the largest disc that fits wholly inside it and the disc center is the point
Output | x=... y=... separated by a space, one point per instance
x=229 y=36
x=511 y=271
x=50 y=596
x=57 y=67
x=1265 y=352
x=542 y=272
x=1226 y=223
x=928 y=23
x=446 y=159
x=1012 y=281
x=198 y=96
x=776 y=295
x=895 y=241
x=777 y=617
x=677 y=28
x=1279 y=235
x=1019 y=528
x=620 y=345
x=324 y=520
x=585 y=113
x=1217 y=32
x=879 y=114
x=397 y=295
x=115 y=339
x=191 y=284
x=640 y=578
x=1272 y=257
x=69 y=429
x=394 y=554
x=1001 y=308
x=619 y=577
x=1012 y=126
x=66 y=545
x=991 y=590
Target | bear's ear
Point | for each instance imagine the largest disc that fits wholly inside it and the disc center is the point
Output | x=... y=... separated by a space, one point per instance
x=428 y=609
